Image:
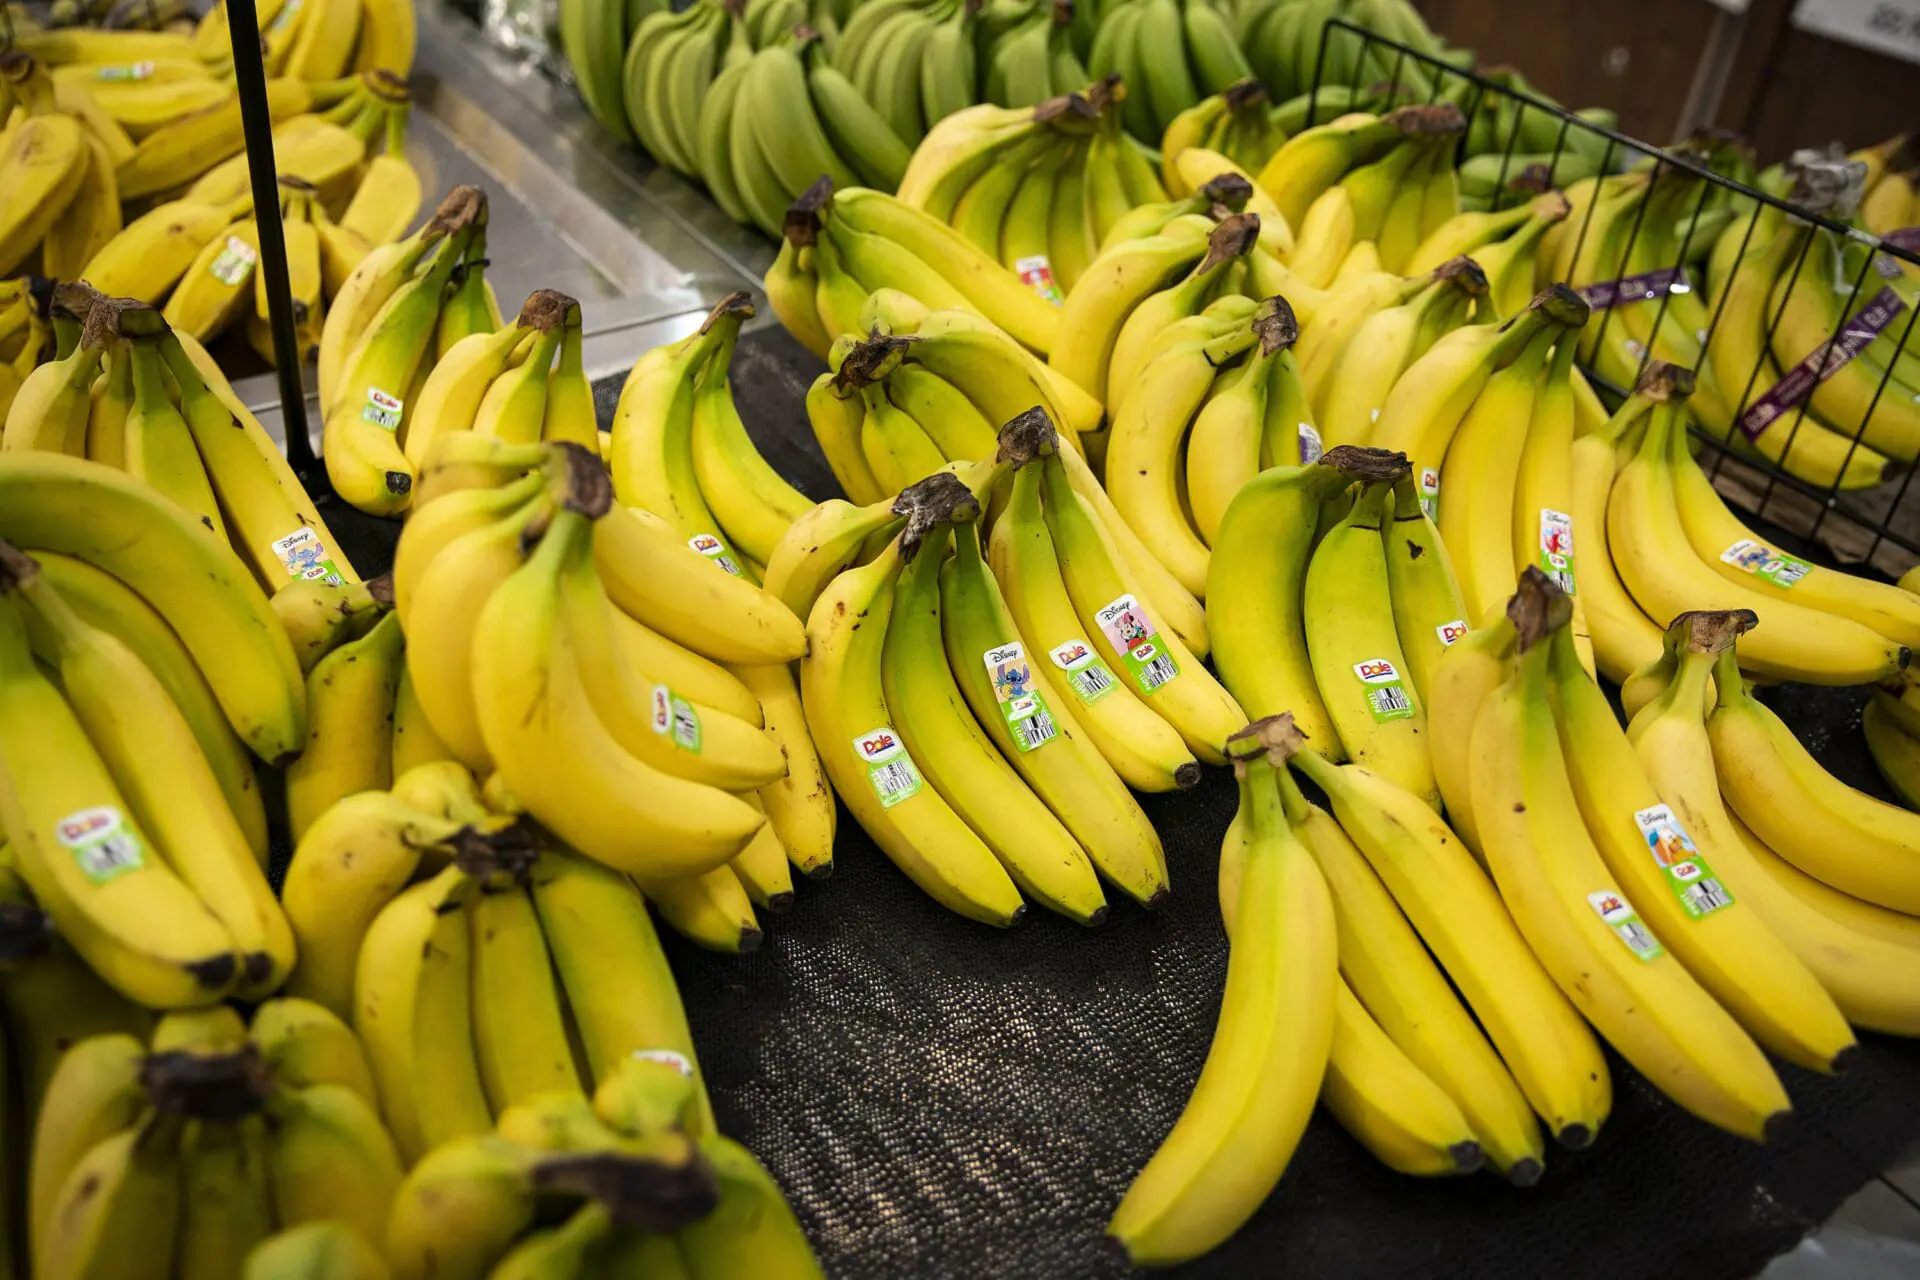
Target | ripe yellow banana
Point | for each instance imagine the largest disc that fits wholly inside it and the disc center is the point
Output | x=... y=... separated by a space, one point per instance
x=350 y=695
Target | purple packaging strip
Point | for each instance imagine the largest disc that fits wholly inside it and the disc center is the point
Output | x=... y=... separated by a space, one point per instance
x=1644 y=287
x=1798 y=382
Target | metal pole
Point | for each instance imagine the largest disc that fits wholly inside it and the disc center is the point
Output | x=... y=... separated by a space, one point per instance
x=250 y=82
x=1711 y=74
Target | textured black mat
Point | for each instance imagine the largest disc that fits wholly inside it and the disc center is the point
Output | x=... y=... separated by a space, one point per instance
x=940 y=1099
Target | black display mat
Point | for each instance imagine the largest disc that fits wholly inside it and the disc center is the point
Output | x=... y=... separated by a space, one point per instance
x=942 y=1099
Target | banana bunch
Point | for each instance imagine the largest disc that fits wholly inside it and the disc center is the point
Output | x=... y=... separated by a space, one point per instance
x=626 y=1182
x=1172 y=52
x=1674 y=546
x=573 y=647
x=522 y=383
x=924 y=391
x=919 y=61
x=1237 y=123
x=317 y=39
x=462 y=944
x=1364 y=192
x=1279 y=1023
x=919 y=686
x=1038 y=190
x=395 y=317
x=1505 y=245
x=1346 y=631
x=25 y=338
x=56 y=183
x=1656 y=952
x=1283 y=40
x=128 y=392
x=1034 y=59
x=1509 y=137
x=176 y=1155
x=120 y=823
x=671 y=60
x=774 y=123
x=841 y=246
x=679 y=449
x=1861 y=953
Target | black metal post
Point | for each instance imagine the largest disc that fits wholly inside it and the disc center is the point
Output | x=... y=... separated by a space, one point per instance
x=250 y=82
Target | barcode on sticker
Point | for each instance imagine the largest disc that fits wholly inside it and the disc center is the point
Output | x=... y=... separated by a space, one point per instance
x=1034 y=731
x=890 y=769
x=102 y=844
x=1131 y=634
x=1311 y=445
x=1556 y=548
x=383 y=409
x=1387 y=698
x=234 y=263
x=1613 y=909
x=1087 y=676
x=1764 y=563
x=715 y=550
x=675 y=717
x=1037 y=274
x=1451 y=633
x=307 y=558
x=1673 y=851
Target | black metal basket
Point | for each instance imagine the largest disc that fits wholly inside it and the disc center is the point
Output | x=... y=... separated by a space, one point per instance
x=1857 y=525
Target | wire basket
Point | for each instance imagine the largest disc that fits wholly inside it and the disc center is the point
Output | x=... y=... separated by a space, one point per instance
x=1788 y=431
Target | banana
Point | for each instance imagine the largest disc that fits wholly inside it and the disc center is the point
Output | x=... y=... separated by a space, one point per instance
x=763 y=869
x=429 y=531
x=558 y=1252
x=658 y=579
x=317 y=1250
x=752 y=503
x=1892 y=749
x=619 y=990
x=1143 y=329
x=570 y=412
x=45 y=161
x=519 y=1032
x=1358 y=664
x=350 y=698
x=304 y=1044
x=1429 y=616
x=1386 y=1102
x=1313 y=161
x=515 y=405
x=1843 y=837
x=842 y=690
x=800 y=809
x=698 y=679
x=1255 y=582
x=116 y=524
x=91 y=219
x=1223 y=449
x=1160 y=666
x=1002 y=380
x=1584 y=929
x=91 y=867
x=94 y=1093
x=320 y=616
x=52 y=408
x=1352 y=383
x=460 y=1209
x=1264 y=1068
x=958 y=758
x=1143 y=749
x=1723 y=943
x=150 y=255
x=652 y=459
x=329 y=1158
x=107 y=415
x=1870 y=975
x=1405 y=1001
x=443 y=608
x=451 y=397
x=224 y=1206
x=661 y=727
x=117 y=1210
x=1063 y=767
x=1552 y=1055
x=155 y=761
x=996 y=293
x=1650 y=549
x=1624 y=639
x=751 y=1229
x=710 y=910
x=362 y=452
x=411 y=1008
x=350 y=864
x=159 y=448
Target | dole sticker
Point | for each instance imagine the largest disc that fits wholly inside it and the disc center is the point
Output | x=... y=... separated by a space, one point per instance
x=1618 y=915
x=307 y=558
x=1029 y=721
x=382 y=409
x=890 y=769
x=710 y=546
x=1451 y=633
x=1130 y=632
x=1689 y=877
x=102 y=844
x=1037 y=274
x=1088 y=677
x=1764 y=563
